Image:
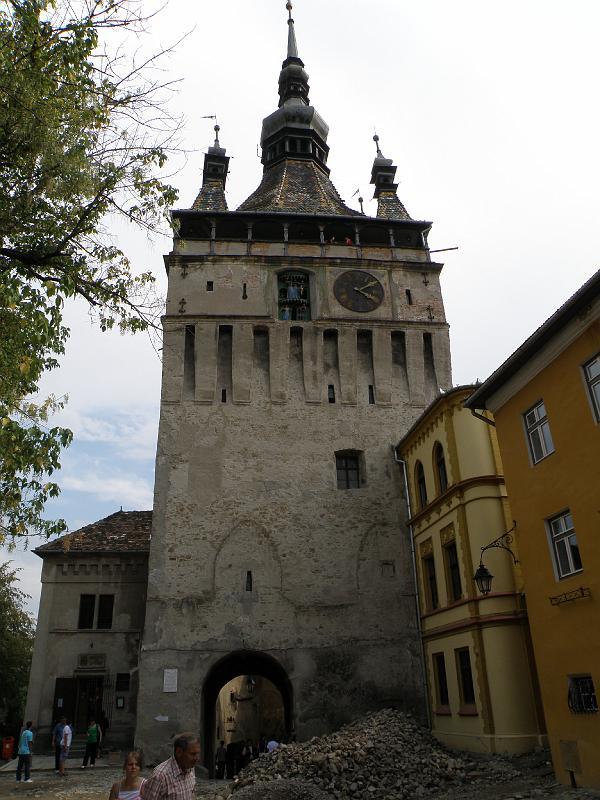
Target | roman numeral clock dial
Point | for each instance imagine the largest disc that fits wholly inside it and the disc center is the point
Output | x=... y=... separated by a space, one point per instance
x=358 y=291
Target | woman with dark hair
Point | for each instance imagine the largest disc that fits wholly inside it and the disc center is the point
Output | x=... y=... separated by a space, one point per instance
x=128 y=788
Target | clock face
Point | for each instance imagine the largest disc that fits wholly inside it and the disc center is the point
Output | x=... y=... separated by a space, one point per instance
x=358 y=291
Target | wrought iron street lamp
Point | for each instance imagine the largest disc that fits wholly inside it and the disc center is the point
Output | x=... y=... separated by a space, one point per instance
x=483 y=577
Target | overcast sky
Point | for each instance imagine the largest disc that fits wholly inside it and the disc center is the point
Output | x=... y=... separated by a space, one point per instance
x=489 y=110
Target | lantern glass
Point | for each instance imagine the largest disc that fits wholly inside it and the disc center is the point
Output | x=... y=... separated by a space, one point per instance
x=483 y=578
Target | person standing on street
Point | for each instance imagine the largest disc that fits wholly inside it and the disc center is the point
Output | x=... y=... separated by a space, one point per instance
x=94 y=735
x=57 y=735
x=175 y=778
x=24 y=753
x=64 y=750
x=221 y=760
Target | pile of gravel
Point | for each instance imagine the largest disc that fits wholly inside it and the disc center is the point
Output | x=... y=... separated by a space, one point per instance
x=384 y=756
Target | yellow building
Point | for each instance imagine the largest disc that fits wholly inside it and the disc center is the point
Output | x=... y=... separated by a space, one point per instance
x=478 y=659
x=546 y=402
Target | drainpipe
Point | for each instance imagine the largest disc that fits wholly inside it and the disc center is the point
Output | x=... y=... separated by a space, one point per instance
x=402 y=463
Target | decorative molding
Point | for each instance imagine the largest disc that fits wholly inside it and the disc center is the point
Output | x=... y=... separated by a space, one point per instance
x=426 y=548
x=447 y=534
x=456 y=489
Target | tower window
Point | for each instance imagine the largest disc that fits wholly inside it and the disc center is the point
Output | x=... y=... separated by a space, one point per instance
x=210 y=286
x=223 y=395
x=249 y=581
x=244 y=292
x=371 y=394
x=293 y=296
x=331 y=393
x=348 y=470
x=409 y=299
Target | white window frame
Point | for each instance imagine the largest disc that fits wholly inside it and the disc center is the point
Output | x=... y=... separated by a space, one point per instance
x=537 y=429
x=593 y=384
x=562 y=537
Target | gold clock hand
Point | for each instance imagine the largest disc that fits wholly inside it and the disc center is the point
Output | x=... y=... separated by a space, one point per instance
x=365 y=294
x=371 y=283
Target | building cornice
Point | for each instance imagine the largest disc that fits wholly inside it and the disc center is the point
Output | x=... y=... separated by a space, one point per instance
x=455 y=489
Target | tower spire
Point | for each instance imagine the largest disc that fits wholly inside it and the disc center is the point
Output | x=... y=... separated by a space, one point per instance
x=293 y=80
x=292 y=51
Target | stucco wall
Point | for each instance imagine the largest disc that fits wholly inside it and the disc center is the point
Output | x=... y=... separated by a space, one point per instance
x=566 y=479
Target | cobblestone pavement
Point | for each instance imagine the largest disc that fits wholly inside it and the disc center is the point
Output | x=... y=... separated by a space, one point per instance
x=535 y=780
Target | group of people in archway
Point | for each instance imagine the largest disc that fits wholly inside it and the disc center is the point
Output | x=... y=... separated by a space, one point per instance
x=231 y=759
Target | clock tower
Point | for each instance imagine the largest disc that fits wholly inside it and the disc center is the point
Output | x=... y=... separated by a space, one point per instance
x=301 y=339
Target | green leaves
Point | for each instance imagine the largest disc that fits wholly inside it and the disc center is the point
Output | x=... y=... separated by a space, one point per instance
x=16 y=643
x=78 y=142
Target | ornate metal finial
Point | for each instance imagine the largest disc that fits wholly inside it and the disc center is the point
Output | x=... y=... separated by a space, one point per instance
x=289 y=7
x=361 y=201
x=217 y=129
x=376 y=140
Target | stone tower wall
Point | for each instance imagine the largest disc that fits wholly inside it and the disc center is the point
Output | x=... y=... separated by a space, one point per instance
x=246 y=485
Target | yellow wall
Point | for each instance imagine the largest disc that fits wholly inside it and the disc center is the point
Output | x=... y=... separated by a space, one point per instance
x=473 y=511
x=566 y=637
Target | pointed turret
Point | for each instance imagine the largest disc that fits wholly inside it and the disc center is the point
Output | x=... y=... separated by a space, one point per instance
x=214 y=178
x=383 y=175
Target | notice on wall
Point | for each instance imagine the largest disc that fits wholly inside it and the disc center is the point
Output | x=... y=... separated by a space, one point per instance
x=170 y=680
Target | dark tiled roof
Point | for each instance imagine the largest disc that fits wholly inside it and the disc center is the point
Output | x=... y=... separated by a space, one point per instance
x=124 y=531
x=211 y=198
x=297 y=185
x=390 y=207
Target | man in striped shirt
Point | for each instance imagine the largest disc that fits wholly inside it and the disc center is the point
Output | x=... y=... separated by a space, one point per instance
x=175 y=778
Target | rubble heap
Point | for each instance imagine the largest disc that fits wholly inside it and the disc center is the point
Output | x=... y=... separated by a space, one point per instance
x=385 y=755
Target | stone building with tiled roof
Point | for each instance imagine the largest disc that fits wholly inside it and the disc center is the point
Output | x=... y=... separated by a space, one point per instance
x=92 y=606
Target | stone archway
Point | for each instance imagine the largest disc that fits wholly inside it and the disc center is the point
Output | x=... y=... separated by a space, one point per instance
x=240 y=662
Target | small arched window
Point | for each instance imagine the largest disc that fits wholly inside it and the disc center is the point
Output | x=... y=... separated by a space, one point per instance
x=439 y=463
x=421 y=485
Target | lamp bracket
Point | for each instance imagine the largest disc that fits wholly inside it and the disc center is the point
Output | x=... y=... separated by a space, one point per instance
x=502 y=543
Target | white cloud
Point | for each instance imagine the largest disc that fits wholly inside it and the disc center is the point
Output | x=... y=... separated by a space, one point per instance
x=121 y=491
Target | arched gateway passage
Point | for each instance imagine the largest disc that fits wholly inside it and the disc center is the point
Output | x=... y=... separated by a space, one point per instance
x=246 y=665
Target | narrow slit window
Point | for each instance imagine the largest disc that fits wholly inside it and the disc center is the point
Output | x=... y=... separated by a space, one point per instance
x=331 y=393
x=249 y=581
x=409 y=299
x=371 y=395
x=223 y=395
x=244 y=292
x=210 y=286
